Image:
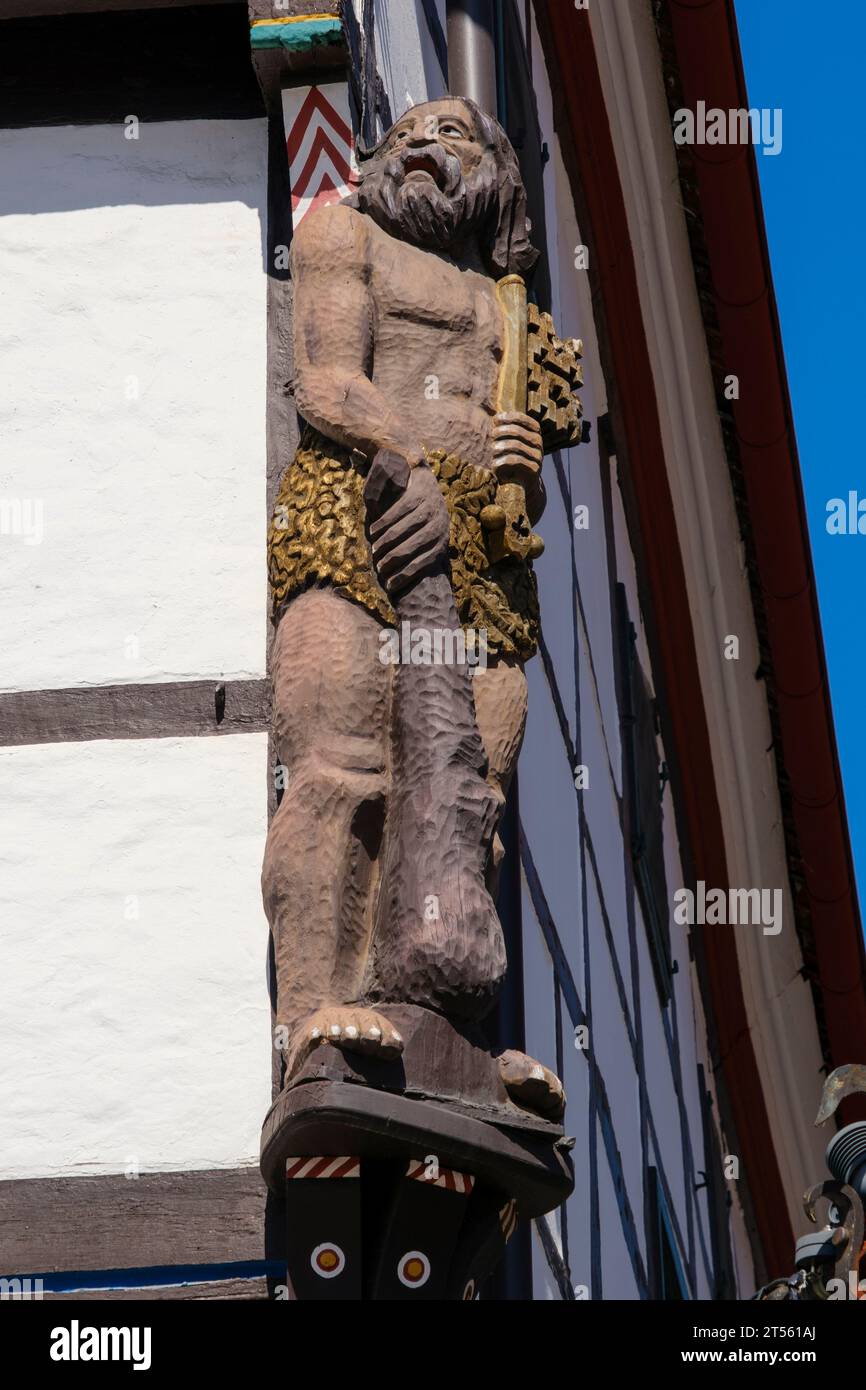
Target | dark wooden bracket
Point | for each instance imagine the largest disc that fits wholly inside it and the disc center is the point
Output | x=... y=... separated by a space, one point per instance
x=296 y=41
x=404 y=1180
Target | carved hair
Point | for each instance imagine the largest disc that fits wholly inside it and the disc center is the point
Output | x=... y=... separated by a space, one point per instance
x=504 y=236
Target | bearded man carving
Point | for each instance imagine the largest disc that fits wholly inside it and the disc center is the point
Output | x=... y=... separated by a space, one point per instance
x=398 y=341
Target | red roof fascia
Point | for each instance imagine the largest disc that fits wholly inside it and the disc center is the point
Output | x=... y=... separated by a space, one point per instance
x=581 y=104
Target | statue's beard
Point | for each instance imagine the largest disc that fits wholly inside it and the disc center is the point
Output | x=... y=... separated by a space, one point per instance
x=442 y=213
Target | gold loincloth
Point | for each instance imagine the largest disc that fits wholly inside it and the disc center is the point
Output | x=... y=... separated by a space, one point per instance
x=317 y=536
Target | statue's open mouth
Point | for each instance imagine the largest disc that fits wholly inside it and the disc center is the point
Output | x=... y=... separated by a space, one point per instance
x=423 y=165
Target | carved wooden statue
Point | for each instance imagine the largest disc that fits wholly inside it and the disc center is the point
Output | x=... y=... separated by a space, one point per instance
x=428 y=391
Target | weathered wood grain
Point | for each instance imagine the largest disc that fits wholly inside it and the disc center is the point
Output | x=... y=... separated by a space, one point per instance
x=170 y=709
x=290 y=9
x=437 y=939
x=29 y=9
x=49 y=1225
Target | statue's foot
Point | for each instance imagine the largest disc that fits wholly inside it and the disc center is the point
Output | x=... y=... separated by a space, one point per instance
x=532 y=1085
x=348 y=1026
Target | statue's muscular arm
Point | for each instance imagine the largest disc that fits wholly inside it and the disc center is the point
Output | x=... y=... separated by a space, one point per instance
x=333 y=338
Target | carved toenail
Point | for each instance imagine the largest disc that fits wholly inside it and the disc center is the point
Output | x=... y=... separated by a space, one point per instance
x=316 y=1033
x=395 y=1038
x=374 y=1034
x=351 y=1031
x=537 y=1073
x=335 y=1030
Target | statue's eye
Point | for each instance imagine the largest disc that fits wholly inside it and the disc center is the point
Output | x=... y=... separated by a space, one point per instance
x=452 y=130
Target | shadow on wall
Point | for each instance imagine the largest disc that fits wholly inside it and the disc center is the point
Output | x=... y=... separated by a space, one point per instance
x=69 y=168
x=123 y=72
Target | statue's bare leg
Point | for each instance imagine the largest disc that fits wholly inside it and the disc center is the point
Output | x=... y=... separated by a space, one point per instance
x=331 y=715
x=500 y=711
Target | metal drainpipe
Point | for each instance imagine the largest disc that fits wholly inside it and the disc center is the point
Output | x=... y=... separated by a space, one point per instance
x=472 y=51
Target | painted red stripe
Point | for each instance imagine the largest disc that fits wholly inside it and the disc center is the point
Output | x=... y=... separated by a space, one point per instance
x=708 y=53
x=344 y=1168
x=319 y=1167
x=591 y=161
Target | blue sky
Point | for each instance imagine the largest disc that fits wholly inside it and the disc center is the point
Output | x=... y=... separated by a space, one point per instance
x=807 y=59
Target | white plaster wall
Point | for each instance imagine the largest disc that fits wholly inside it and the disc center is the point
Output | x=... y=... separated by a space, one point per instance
x=134 y=1013
x=132 y=403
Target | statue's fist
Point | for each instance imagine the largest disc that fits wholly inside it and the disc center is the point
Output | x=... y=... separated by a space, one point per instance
x=410 y=539
x=517 y=456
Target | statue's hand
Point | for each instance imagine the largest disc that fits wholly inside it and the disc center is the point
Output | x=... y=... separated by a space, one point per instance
x=517 y=456
x=410 y=539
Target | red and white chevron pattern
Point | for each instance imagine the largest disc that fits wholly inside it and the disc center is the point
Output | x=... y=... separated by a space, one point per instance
x=448 y=1177
x=320 y=146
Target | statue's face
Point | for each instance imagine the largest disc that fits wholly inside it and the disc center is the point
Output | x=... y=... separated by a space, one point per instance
x=443 y=131
x=434 y=180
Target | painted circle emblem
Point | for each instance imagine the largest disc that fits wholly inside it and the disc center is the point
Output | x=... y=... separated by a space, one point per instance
x=328 y=1260
x=413 y=1269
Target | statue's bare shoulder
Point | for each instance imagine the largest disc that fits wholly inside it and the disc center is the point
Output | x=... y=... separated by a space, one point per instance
x=332 y=236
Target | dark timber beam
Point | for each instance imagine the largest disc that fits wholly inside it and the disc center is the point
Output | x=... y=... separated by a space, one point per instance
x=246 y=1290
x=295 y=41
x=112 y=1222
x=31 y=9
x=165 y=709
x=178 y=64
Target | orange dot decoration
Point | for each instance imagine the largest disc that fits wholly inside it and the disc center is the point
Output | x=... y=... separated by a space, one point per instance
x=413 y=1269
x=328 y=1260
